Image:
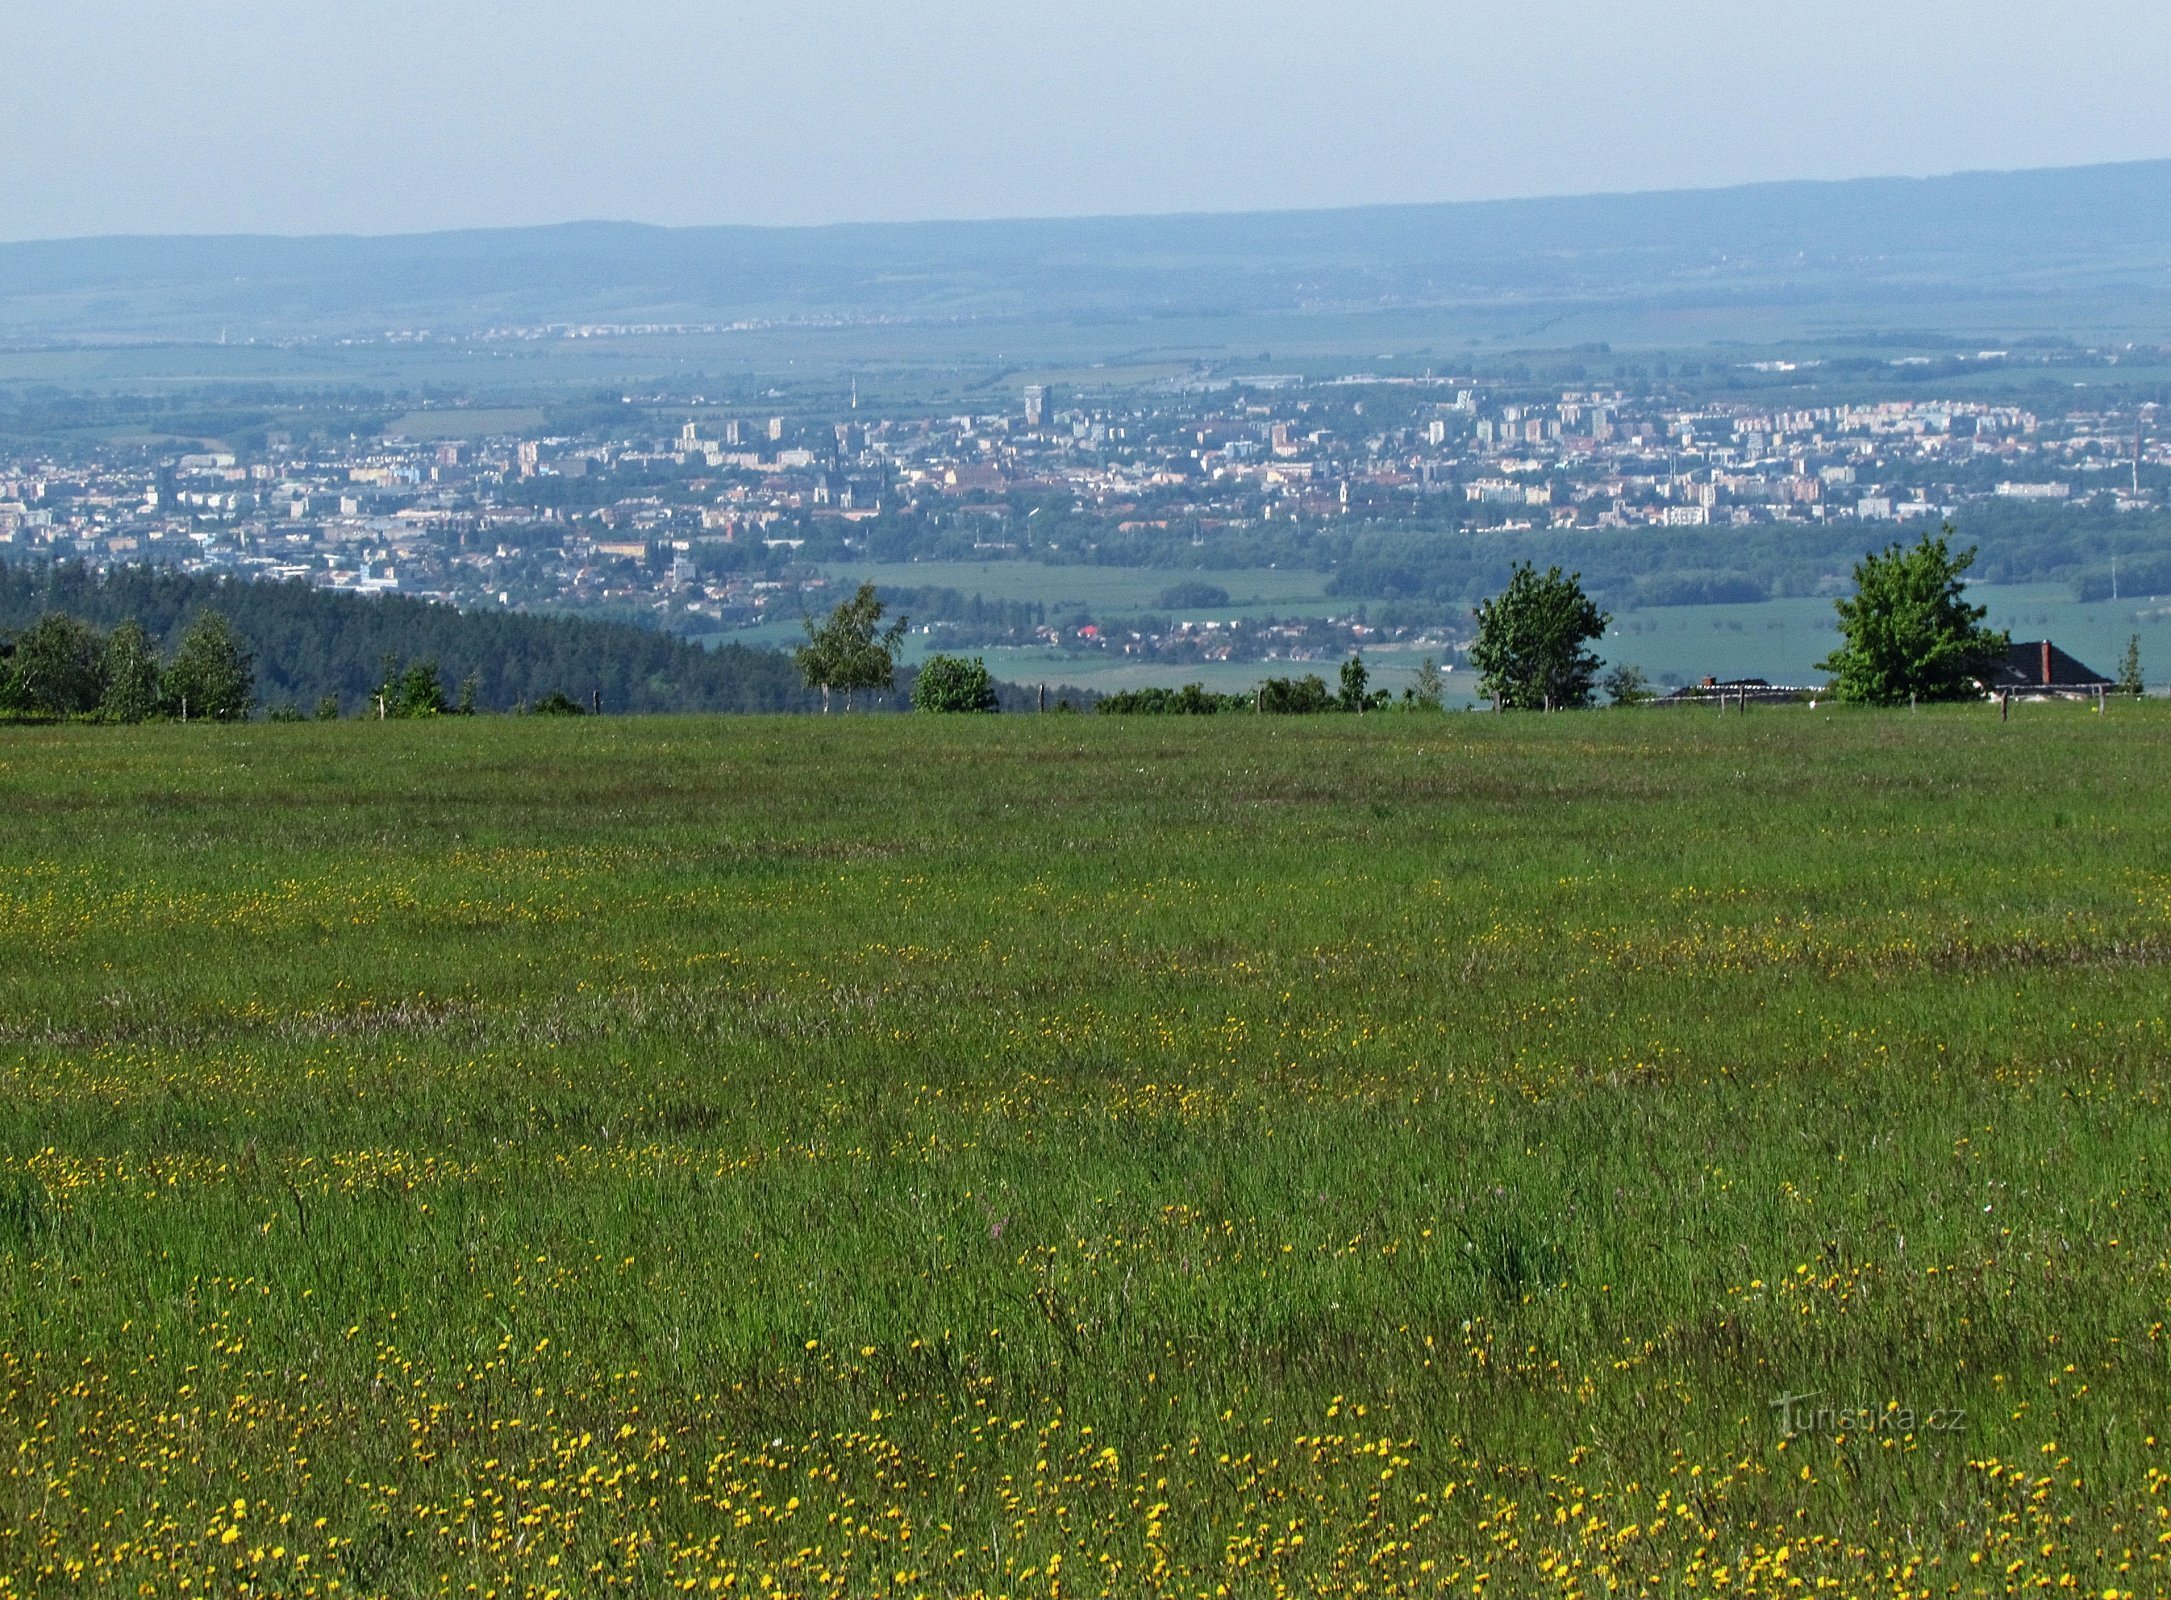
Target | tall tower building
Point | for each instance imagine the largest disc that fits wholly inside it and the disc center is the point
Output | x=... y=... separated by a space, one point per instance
x=1036 y=405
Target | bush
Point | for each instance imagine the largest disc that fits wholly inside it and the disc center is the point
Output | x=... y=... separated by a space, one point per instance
x=951 y=683
x=1192 y=700
x=1295 y=697
x=419 y=691
x=1192 y=596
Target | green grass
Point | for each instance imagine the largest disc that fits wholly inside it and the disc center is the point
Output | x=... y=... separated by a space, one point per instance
x=880 y=1156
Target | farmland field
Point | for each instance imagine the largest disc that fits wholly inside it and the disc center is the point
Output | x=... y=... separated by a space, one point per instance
x=1079 y=1156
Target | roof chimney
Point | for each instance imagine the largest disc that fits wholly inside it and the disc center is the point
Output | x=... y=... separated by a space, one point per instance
x=2046 y=661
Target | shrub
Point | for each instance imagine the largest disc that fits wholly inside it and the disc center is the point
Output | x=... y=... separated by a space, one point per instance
x=951 y=683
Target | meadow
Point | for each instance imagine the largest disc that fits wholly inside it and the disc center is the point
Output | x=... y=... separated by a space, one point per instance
x=1623 y=1153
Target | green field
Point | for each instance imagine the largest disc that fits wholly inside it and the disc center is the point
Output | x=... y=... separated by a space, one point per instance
x=1783 y=640
x=1290 y=591
x=1088 y=1156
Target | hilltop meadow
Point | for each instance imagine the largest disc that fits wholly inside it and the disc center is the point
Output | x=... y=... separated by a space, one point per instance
x=1637 y=1152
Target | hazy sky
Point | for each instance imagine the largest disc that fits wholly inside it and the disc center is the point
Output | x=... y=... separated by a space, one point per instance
x=301 y=116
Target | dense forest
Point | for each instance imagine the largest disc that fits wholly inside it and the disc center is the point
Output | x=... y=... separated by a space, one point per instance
x=309 y=644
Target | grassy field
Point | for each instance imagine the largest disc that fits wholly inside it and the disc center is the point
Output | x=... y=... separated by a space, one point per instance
x=1783 y=640
x=1051 y=1156
x=1287 y=591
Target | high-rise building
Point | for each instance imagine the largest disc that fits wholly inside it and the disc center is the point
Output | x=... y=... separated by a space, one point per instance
x=776 y=429
x=1036 y=405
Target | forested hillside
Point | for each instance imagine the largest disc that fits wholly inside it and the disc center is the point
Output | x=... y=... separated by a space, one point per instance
x=310 y=643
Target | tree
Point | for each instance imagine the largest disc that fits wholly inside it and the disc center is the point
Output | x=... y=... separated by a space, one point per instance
x=1628 y=686
x=419 y=691
x=328 y=708
x=1295 y=697
x=60 y=662
x=1529 y=648
x=1356 y=695
x=131 y=676
x=951 y=683
x=213 y=674
x=2129 y=667
x=1909 y=631
x=1429 y=691
x=851 y=650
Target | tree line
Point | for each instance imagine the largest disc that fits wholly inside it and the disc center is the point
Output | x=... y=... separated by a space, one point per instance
x=62 y=666
x=1908 y=634
x=311 y=646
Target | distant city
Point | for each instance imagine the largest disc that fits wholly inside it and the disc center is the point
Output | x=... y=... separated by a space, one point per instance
x=728 y=520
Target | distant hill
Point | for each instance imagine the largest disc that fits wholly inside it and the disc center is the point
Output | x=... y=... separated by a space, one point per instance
x=2050 y=235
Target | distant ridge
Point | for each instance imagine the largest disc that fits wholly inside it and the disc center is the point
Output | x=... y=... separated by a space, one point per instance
x=2044 y=232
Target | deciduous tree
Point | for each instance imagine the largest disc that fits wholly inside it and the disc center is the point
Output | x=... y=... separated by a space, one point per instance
x=1357 y=694
x=213 y=673
x=1628 y=686
x=852 y=650
x=1429 y=691
x=1908 y=629
x=1529 y=650
x=132 y=674
x=60 y=664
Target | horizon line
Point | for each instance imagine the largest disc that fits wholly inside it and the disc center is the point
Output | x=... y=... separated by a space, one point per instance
x=1049 y=219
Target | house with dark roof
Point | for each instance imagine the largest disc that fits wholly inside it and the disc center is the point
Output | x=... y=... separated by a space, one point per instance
x=2040 y=667
x=1736 y=691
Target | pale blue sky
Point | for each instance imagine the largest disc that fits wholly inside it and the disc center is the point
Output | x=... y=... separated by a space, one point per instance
x=397 y=115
